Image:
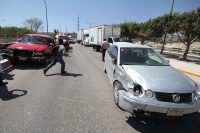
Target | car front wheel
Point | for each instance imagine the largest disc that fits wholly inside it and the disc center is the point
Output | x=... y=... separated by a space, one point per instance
x=117 y=86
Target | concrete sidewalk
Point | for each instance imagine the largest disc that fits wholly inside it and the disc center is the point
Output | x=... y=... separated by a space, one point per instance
x=191 y=67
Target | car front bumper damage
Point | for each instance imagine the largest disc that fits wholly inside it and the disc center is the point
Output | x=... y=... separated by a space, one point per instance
x=130 y=103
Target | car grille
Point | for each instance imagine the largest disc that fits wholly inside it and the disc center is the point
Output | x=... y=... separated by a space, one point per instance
x=167 y=97
x=23 y=53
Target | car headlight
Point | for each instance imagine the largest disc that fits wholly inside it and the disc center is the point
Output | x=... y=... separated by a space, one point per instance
x=149 y=93
x=194 y=96
x=138 y=90
x=38 y=54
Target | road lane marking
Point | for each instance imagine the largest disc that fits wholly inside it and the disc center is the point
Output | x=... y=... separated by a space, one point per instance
x=190 y=73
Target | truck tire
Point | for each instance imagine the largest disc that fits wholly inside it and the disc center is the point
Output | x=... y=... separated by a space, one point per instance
x=95 y=49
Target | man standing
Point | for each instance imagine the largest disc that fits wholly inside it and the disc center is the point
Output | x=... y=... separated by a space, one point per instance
x=60 y=40
x=105 y=45
x=58 y=58
x=67 y=43
x=1 y=79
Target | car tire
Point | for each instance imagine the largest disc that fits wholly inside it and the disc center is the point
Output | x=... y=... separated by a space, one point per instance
x=117 y=86
x=105 y=68
x=14 y=62
x=46 y=62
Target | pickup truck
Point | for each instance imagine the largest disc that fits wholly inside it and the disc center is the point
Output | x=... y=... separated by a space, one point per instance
x=31 y=48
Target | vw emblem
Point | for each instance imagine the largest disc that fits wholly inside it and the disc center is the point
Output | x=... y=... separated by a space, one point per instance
x=176 y=97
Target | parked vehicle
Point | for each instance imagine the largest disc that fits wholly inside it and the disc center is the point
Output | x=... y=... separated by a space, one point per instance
x=98 y=33
x=81 y=34
x=71 y=41
x=145 y=84
x=32 y=48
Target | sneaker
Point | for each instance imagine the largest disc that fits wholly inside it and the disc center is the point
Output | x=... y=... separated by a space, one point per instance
x=3 y=83
x=44 y=71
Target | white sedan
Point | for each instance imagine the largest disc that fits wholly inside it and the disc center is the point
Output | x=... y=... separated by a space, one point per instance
x=145 y=84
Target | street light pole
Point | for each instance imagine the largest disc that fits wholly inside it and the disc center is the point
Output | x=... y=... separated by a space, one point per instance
x=46 y=15
x=90 y=23
x=59 y=26
x=166 y=33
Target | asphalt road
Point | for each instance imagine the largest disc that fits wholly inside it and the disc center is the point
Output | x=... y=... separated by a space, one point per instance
x=79 y=102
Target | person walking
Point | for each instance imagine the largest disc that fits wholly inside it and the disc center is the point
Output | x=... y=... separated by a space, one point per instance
x=1 y=79
x=105 y=45
x=67 y=43
x=61 y=51
x=60 y=40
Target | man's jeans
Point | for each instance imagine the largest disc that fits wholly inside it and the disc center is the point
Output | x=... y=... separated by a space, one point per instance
x=57 y=58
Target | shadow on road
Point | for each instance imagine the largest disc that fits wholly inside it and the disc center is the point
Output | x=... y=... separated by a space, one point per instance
x=156 y=125
x=66 y=74
x=6 y=95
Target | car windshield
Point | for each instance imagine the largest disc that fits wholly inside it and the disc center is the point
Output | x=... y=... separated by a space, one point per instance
x=118 y=39
x=34 y=39
x=86 y=35
x=141 y=56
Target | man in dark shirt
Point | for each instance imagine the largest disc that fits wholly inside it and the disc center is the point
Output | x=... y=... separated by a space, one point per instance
x=58 y=58
x=60 y=40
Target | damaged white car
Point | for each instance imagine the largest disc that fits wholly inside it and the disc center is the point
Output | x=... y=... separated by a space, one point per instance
x=145 y=84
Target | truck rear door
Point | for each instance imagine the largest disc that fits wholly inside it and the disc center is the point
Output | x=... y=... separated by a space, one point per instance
x=99 y=36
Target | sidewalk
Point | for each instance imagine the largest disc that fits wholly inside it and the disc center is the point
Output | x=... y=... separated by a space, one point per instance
x=191 y=67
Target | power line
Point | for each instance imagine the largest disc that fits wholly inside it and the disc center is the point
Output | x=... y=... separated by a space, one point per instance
x=108 y=3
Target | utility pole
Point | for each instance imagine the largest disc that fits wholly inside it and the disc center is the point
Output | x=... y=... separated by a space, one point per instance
x=163 y=46
x=78 y=22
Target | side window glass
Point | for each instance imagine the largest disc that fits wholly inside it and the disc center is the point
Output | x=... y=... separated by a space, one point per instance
x=114 y=52
x=25 y=39
x=110 y=50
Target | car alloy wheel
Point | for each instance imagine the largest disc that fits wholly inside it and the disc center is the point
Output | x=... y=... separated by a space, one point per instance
x=116 y=88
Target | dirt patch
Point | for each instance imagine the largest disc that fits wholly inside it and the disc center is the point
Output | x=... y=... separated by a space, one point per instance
x=193 y=46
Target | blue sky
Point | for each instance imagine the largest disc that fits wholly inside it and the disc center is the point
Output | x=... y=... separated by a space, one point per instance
x=97 y=12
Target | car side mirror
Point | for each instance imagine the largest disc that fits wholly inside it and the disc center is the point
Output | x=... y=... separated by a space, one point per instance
x=167 y=60
x=114 y=60
x=51 y=44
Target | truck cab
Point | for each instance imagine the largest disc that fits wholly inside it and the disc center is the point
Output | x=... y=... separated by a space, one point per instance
x=32 y=48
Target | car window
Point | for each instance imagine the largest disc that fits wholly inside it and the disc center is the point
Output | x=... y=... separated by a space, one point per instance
x=141 y=56
x=114 y=52
x=35 y=39
x=109 y=50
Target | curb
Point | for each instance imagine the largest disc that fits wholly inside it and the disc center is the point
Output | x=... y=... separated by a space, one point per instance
x=190 y=73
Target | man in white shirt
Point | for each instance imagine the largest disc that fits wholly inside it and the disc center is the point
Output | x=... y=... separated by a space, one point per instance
x=105 y=45
x=1 y=79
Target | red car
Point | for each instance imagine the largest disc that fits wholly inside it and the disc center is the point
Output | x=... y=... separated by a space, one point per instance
x=32 y=48
x=71 y=41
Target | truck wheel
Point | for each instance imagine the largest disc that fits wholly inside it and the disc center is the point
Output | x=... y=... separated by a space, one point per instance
x=95 y=48
x=14 y=62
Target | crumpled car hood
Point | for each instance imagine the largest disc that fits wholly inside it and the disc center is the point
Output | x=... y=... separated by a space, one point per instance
x=29 y=46
x=160 y=78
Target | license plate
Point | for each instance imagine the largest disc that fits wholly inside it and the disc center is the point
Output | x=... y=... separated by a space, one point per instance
x=22 y=58
x=174 y=112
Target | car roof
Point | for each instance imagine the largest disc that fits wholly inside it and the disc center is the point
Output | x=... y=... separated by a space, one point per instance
x=128 y=45
x=40 y=35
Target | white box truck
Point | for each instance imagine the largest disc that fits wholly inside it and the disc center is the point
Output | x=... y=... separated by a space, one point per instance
x=81 y=35
x=98 y=33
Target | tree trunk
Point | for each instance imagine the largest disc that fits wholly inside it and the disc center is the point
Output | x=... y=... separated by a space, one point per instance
x=186 y=51
x=142 y=41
